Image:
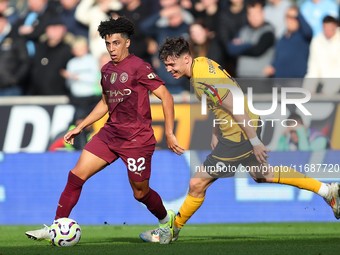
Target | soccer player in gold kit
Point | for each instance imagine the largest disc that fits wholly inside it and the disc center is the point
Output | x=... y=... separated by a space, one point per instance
x=232 y=144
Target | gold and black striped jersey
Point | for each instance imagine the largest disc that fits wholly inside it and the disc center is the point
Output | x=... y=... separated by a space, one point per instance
x=205 y=73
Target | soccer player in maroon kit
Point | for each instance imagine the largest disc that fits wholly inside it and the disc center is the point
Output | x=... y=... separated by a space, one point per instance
x=126 y=82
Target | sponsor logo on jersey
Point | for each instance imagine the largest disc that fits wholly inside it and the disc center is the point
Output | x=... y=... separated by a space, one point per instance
x=124 y=92
x=151 y=75
x=123 y=77
x=113 y=77
x=105 y=76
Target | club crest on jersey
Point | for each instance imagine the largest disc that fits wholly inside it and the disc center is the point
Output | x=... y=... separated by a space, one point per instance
x=211 y=91
x=123 y=77
x=113 y=77
x=151 y=75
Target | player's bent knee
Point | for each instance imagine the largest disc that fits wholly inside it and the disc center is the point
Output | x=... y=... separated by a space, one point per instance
x=197 y=185
x=78 y=173
x=139 y=194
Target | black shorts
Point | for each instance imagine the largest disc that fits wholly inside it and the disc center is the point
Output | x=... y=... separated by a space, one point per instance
x=228 y=155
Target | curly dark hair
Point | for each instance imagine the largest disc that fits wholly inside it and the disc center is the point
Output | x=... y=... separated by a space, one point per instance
x=173 y=47
x=121 y=25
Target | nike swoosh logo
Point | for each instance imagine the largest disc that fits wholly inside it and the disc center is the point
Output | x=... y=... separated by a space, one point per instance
x=171 y=224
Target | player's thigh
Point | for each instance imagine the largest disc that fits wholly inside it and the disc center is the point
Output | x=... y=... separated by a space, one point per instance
x=88 y=164
x=95 y=156
x=258 y=171
x=138 y=162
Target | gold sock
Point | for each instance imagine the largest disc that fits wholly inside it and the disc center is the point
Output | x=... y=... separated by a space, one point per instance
x=188 y=208
x=287 y=175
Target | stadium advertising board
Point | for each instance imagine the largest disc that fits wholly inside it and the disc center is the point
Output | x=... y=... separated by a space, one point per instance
x=33 y=182
x=34 y=128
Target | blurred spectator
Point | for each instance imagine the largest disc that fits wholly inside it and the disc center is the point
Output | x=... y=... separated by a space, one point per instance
x=186 y=4
x=33 y=22
x=68 y=16
x=91 y=13
x=274 y=13
x=81 y=76
x=8 y=11
x=315 y=10
x=51 y=57
x=231 y=19
x=188 y=18
x=301 y=138
x=14 y=61
x=292 y=50
x=137 y=11
x=324 y=59
x=169 y=22
x=254 y=44
x=199 y=39
x=208 y=11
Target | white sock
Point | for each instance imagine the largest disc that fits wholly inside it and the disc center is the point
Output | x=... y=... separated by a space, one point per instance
x=165 y=220
x=324 y=190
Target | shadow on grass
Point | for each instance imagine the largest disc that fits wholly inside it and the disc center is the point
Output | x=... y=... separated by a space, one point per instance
x=189 y=245
x=116 y=240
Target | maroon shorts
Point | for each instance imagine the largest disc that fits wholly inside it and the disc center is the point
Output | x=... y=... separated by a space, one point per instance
x=137 y=160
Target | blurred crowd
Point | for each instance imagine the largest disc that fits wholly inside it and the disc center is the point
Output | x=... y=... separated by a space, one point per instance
x=53 y=47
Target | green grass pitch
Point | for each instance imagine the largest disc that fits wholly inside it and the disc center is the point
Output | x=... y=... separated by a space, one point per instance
x=259 y=238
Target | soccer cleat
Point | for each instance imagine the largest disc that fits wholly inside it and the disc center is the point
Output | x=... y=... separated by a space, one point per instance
x=176 y=233
x=166 y=230
x=39 y=235
x=333 y=198
x=152 y=236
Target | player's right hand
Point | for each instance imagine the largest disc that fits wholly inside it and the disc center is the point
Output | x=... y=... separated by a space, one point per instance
x=260 y=152
x=70 y=135
x=173 y=145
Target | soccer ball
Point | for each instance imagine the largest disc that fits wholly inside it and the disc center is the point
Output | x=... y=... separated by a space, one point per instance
x=65 y=232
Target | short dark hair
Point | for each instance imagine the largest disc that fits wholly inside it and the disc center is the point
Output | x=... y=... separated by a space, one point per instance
x=296 y=117
x=173 y=47
x=330 y=19
x=254 y=3
x=121 y=25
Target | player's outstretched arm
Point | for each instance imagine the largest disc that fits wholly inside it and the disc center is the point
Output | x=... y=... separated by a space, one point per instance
x=168 y=110
x=97 y=113
x=259 y=150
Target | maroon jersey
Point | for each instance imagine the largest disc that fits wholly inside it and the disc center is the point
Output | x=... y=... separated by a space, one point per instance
x=127 y=86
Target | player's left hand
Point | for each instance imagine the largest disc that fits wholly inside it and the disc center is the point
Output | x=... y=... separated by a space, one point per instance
x=260 y=152
x=173 y=145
